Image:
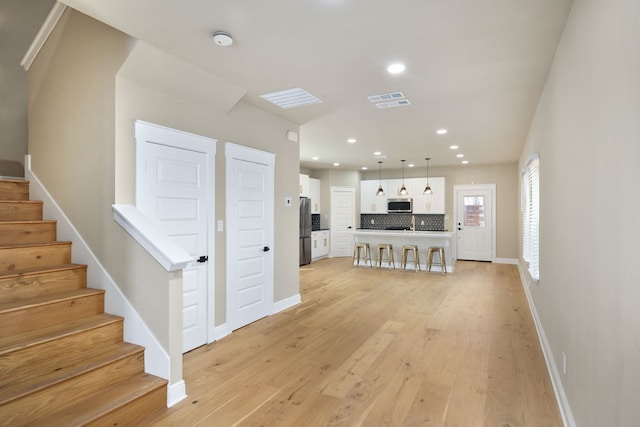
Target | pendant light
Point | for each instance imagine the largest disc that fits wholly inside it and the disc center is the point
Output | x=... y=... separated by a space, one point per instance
x=403 y=190
x=427 y=189
x=380 y=191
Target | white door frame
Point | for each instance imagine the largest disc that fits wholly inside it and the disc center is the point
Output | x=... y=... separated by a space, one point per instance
x=353 y=225
x=235 y=151
x=473 y=187
x=207 y=146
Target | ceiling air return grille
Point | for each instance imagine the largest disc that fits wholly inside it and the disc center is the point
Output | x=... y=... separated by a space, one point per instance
x=386 y=97
x=392 y=104
x=290 y=98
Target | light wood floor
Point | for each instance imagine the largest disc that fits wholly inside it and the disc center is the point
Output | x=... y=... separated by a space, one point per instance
x=379 y=348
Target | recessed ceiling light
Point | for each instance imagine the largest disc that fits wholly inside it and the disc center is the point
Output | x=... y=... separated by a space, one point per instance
x=336 y=164
x=314 y=158
x=441 y=131
x=396 y=68
x=351 y=140
x=453 y=147
x=459 y=155
x=464 y=162
x=364 y=168
x=377 y=153
x=410 y=165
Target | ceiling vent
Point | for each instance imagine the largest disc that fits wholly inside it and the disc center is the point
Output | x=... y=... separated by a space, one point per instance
x=290 y=98
x=392 y=104
x=386 y=97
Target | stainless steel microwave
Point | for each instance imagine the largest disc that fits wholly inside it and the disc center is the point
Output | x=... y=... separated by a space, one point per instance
x=399 y=205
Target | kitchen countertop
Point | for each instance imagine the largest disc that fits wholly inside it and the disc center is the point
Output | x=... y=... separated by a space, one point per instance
x=364 y=231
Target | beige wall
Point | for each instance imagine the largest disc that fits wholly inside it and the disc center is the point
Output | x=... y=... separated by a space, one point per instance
x=504 y=175
x=587 y=131
x=20 y=21
x=87 y=87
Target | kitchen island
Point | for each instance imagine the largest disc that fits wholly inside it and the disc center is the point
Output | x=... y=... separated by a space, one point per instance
x=399 y=238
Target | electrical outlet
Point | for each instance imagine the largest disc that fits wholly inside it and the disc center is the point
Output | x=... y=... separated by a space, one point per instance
x=373 y=221
x=564 y=363
x=421 y=222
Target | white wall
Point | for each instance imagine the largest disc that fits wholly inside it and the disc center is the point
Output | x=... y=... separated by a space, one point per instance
x=587 y=131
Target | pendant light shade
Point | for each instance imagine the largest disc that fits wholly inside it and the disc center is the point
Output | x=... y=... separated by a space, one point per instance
x=427 y=189
x=403 y=190
x=380 y=191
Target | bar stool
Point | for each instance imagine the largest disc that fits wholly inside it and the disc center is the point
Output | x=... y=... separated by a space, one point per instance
x=380 y=252
x=440 y=251
x=361 y=251
x=406 y=250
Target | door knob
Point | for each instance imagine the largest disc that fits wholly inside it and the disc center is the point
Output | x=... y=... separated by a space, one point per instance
x=203 y=258
x=266 y=249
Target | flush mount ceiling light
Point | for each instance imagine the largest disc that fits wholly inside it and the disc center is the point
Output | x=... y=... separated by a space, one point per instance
x=403 y=190
x=427 y=189
x=396 y=68
x=380 y=191
x=222 y=39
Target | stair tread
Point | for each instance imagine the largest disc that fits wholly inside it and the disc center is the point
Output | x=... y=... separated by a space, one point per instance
x=83 y=362
x=28 y=221
x=96 y=405
x=45 y=299
x=39 y=270
x=28 y=339
x=32 y=245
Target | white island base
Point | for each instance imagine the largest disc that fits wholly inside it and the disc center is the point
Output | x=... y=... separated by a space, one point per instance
x=424 y=239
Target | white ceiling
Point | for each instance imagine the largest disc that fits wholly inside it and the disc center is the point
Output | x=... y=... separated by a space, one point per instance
x=474 y=67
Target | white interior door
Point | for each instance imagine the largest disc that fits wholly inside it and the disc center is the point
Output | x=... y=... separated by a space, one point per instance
x=343 y=221
x=249 y=212
x=475 y=222
x=173 y=190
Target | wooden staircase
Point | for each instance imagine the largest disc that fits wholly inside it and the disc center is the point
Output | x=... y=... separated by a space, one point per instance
x=63 y=361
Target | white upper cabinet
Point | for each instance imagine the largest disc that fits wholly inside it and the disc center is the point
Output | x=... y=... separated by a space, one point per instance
x=314 y=193
x=422 y=204
x=369 y=202
x=394 y=188
x=304 y=185
x=425 y=204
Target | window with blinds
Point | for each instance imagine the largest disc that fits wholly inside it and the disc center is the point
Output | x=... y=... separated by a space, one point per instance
x=531 y=216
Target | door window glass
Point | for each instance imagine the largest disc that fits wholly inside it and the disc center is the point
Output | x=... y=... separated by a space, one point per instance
x=474 y=211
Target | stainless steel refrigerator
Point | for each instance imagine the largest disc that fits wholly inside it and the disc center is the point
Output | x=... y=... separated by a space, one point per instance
x=305 y=231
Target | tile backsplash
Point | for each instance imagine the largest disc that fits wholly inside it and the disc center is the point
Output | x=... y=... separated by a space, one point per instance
x=385 y=221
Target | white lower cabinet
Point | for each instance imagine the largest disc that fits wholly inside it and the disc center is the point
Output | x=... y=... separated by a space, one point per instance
x=319 y=244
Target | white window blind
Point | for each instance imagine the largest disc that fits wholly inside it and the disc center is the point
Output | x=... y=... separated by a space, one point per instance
x=531 y=216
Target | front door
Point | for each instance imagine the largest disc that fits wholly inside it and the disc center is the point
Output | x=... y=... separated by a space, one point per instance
x=250 y=223
x=173 y=190
x=474 y=222
x=342 y=221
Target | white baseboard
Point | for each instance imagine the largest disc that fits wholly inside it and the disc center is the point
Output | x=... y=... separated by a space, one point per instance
x=176 y=392
x=561 y=397
x=513 y=261
x=156 y=359
x=283 y=304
